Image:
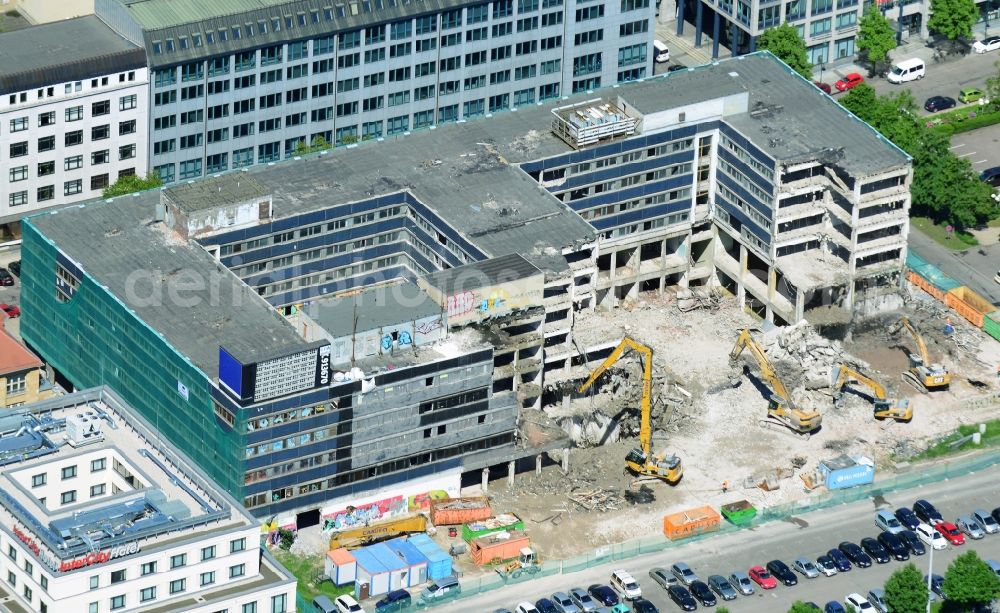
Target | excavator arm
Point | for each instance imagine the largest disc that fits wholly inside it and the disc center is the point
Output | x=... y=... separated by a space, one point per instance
x=848 y=374
x=919 y=340
x=768 y=374
x=645 y=429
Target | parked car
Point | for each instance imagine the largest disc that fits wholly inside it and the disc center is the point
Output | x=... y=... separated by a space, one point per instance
x=825 y=87
x=981 y=517
x=662 y=576
x=741 y=583
x=501 y=610
x=907 y=517
x=888 y=522
x=877 y=598
x=926 y=512
x=969 y=527
x=850 y=81
x=544 y=605
x=826 y=565
x=603 y=594
x=526 y=607
x=682 y=597
x=12 y=310
x=6 y=279
x=641 y=605
x=782 y=572
x=347 y=604
x=894 y=544
x=806 y=567
x=396 y=600
x=683 y=573
x=937 y=586
x=855 y=554
x=991 y=176
x=15 y=268
x=563 y=603
x=701 y=591
x=676 y=67
x=994 y=566
x=913 y=542
x=951 y=532
x=875 y=549
x=996 y=514
x=859 y=602
x=931 y=537
x=834 y=607
x=721 y=586
x=986 y=45
x=968 y=95
x=763 y=578
x=939 y=103
x=625 y=584
x=582 y=600
x=838 y=557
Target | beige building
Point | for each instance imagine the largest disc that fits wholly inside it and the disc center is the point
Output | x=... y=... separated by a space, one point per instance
x=45 y=11
x=21 y=374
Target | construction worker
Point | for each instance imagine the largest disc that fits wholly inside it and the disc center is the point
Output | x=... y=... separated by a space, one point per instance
x=948 y=328
x=725 y=484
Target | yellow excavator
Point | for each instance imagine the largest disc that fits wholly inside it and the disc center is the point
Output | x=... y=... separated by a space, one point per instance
x=890 y=408
x=924 y=375
x=642 y=462
x=780 y=408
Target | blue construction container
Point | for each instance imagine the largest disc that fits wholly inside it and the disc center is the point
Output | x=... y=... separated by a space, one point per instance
x=372 y=577
x=438 y=560
x=847 y=471
x=412 y=557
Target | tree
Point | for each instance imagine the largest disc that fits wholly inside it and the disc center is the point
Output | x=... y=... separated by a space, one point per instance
x=953 y=18
x=875 y=40
x=969 y=581
x=993 y=86
x=784 y=42
x=131 y=184
x=800 y=607
x=722 y=610
x=906 y=591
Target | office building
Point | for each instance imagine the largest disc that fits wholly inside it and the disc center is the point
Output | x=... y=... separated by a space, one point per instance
x=373 y=319
x=98 y=513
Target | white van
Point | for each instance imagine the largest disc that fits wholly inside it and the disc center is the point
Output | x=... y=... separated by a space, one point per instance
x=907 y=70
x=662 y=53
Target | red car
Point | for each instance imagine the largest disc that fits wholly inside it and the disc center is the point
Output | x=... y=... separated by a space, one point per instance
x=949 y=531
x=12 y=310
x=849 y=82
x=823 y=86
x=763 y=578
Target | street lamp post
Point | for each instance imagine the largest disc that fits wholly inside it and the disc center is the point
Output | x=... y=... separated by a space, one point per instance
x=930 y=576
x=822 y=67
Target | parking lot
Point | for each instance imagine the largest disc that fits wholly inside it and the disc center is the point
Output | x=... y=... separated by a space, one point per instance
x=11 y=295
x=981 y=147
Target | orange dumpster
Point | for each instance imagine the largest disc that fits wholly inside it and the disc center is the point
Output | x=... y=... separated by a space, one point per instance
x=456 y=511
x=969 y=304
x=497 y=547
x=690 y=522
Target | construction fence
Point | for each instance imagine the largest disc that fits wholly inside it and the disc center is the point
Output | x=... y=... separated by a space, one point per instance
x=961 y=299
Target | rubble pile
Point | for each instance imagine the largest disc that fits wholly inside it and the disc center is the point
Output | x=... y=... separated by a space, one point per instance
x=805 y=359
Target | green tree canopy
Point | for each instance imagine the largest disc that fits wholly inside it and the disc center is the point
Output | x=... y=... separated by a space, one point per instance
x=969 y=581
x=906 y=591
x=800 y=607
x=130 y=184
x=784 y=42
x=875 y=40
x=953 y=18
x=993 y=85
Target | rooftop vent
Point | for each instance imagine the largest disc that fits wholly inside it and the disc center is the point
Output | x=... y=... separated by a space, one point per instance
x=594 y=121
x=84 y=429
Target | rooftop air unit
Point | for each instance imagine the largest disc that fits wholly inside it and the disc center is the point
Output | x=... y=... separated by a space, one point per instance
x=84 y=429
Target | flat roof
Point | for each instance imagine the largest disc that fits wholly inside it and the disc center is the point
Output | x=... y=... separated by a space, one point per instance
x=503 y=269
x=146 y=266
x=72 y=50
x=213 y=192
x=374 y=308
x=14 y=356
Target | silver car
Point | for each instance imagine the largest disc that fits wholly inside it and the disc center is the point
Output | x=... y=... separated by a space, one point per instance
x=582 y=600
x=741 y=582
x=662 y=576
x=683 y=573
x=806 y=567
x=971 y=529
x=722 y=587
x=563 y=603
x=985 y=521
x=826 y=565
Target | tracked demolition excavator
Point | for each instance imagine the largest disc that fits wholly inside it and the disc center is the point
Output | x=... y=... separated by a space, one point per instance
x=781 y=410
x=922 y=374
x=890 y=408
x=642 y=462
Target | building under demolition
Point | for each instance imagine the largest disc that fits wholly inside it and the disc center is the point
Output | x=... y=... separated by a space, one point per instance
x=369 y=321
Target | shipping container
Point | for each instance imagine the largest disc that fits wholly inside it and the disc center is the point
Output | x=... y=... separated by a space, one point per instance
x=507 y=521
x=456 y=511
x=931 y=273
x=846 y=471
x=341 y=567
x=438 y=560
x=991 y=324
x=691 y=522
x=411 y=556
x=497 y=547
x=739 y=513
x=925 y=285
x=372 y=578
x=969 y=304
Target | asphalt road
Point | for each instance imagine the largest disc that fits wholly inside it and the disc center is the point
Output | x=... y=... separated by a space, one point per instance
x=974 y=267
x=981 y=147
x=806 y=535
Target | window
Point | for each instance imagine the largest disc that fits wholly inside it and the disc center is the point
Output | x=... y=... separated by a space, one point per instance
x=18 y=173
x=279 y=604
x=847 y=20
x=820 y=26
x=70 y=496
x=17 y=199
x=147 y=594
x=250 y=607
x=18 y=124
x=147 y=568
x=117 y=602
x=178 y=560
x=11 y=578
x=19 y=149
x=117 y=576
x=98 y=182
x=127 y=127
x=102 y=107
x=46 y=143
x=126 y=152
x=207 y=553
x=46 y=168
x=207 y=579
x=68 y=472
x=47 y=192
x=73 y=162
x=178 y=585
x=39 y=479
x=100 y=488
x=71 y=139
x=821 y=6
x=190 y=169
x=99 y=157
x=237 y=571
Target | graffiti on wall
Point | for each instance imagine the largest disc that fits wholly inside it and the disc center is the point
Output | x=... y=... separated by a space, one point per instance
x=402 y=337
x=380 y=510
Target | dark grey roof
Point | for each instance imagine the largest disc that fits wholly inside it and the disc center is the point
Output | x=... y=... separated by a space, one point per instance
x=374 y=308
x=62 y=51
x=118 y=245
x=503 y=269
x=216 y=191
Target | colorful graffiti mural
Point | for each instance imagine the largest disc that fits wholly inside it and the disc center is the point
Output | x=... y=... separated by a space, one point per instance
x=386 y=508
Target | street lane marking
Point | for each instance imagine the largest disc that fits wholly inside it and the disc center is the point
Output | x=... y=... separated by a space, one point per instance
x=957 y=146
x=979 y=162
x=967 y=154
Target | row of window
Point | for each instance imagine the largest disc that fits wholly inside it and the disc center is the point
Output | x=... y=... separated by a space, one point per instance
x=69 y=88
x=73 y=162
x=70 y=188
x=71 y=139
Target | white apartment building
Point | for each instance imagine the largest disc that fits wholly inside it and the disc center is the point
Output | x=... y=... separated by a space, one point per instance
x=99 y=514
x=73 y=115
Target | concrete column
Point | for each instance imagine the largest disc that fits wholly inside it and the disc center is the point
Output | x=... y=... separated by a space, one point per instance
x=715 y=36
x=680 y=16
x=753 y=44
x=538 y=464
x=697 y=25
x=567 y=397
x=800 y=306
x=734 y=33
x=565 y=461
x=510 y=473
x=740 y=291
x=486 y=479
